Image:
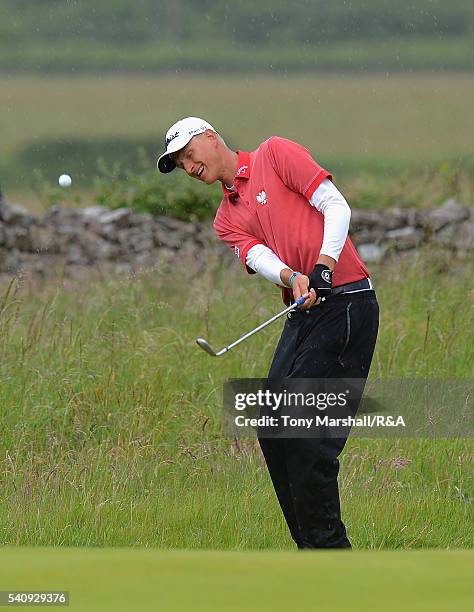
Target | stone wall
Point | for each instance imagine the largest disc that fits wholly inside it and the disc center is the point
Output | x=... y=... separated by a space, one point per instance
x=379 y=233
x=126 y=240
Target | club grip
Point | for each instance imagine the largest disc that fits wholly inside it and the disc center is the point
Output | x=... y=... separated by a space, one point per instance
x=300 y=300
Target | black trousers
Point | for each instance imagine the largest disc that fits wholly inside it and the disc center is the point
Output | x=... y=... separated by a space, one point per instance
x=336 y=339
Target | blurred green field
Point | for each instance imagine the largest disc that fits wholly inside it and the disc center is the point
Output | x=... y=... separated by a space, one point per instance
x=382 y=122
x=349 y=115
x=124 y=579
x=110 y=415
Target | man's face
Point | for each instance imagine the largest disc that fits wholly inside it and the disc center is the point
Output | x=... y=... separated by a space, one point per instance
x=200 y=158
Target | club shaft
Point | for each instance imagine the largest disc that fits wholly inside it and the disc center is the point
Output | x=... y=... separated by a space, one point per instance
x=257 y=329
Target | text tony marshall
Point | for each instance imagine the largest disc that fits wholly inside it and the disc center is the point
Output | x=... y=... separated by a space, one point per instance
x=367 y=420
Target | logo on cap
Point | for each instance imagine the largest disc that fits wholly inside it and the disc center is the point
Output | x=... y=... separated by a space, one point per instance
x=201 y=129
x=171 y=137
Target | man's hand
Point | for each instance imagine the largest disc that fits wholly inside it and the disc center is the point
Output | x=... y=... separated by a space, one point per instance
x=320 y=279
x=300 y=287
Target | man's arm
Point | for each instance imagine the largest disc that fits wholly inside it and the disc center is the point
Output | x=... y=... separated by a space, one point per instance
x=328 y=200
x=337 y=215
x=264 y=261
x=237 y=239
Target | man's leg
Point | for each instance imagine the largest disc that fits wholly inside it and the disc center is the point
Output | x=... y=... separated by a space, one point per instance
x=337 y=343
x=326 y=343
x=313 y=468
x=273 y=449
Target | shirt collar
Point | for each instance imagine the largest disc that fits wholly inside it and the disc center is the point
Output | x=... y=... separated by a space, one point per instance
x=243 y=169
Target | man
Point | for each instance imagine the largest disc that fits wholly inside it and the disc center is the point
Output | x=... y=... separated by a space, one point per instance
x=284 y=218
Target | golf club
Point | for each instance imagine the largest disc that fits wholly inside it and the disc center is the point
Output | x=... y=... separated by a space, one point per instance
x=204 y=344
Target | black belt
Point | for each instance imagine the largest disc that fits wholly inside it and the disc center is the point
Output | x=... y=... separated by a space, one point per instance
x=356 y=288
x=362 y=285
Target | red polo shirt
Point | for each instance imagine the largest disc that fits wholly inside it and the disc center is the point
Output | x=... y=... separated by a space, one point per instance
x=270 y=206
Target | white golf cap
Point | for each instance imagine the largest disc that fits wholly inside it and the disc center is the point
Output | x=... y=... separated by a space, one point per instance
x=178 y=136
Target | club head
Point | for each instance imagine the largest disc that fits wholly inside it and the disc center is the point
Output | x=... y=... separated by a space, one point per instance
x=204 y=344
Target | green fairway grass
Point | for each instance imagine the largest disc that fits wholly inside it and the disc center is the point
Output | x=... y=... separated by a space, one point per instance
x=110 y=415
x=175 y=581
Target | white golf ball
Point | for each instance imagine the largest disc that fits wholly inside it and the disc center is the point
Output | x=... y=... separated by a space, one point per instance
x=65 y=180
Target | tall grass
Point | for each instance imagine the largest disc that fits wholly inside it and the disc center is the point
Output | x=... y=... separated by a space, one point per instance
x=110 y=415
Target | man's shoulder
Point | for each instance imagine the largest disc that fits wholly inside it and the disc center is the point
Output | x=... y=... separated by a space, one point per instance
x=272 y=141
x=276 y=145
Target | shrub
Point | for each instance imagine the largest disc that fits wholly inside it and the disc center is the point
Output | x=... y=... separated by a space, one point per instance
x=147 y=190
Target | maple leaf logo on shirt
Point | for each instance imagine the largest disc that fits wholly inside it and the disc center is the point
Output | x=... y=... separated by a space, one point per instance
x=262 y=198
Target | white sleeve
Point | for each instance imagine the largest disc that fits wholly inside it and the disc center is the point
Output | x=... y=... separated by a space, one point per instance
x=264 y=261
x=337 y=215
